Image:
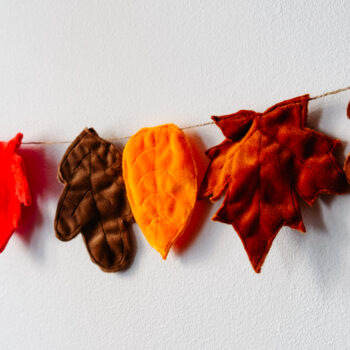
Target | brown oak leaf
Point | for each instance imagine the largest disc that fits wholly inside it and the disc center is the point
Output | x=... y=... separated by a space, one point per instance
x=94 y=201
x=266 y=160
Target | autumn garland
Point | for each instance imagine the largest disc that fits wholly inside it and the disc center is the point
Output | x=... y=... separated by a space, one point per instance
x=265 y=163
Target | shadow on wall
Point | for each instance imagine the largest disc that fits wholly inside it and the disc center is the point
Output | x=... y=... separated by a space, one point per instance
x=322 y=244
x=324 y=237
x=201 y=208
x=42 y=179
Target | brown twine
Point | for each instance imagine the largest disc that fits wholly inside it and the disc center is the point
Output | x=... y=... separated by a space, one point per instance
x=183 y=128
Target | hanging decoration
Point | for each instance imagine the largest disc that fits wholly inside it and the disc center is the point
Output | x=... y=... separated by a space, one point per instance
x=14 y=188
x=266 y=160
x=161 y=182
x=94 y=201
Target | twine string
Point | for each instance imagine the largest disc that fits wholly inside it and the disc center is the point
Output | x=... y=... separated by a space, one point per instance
x=334 y=92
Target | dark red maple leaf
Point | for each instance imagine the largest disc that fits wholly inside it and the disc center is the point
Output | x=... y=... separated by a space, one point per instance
x=264 y=162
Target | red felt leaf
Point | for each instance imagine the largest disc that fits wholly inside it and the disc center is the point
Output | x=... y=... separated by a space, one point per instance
x=14 y=189
x=266 y=160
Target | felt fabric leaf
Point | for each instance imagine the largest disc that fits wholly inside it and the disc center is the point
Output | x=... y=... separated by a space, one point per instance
x=94 y=201
x=161 y=182
x=14 y=188
x=266 y=160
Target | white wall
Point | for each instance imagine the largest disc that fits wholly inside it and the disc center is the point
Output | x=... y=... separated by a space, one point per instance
x=119 y=65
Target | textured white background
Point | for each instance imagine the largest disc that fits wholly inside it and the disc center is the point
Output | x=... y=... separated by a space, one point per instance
x=118 y=66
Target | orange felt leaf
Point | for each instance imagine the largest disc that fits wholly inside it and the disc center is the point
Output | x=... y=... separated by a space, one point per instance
x=161 y=181
x=264 y=162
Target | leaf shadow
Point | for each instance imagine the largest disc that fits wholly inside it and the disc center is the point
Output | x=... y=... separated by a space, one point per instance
x=313 y=215
x=319 y=246
x=320 y=243
x=323 y=246
x=201 y=208
x=41 y=175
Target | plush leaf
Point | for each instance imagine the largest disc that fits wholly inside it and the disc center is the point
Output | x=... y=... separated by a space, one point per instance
x=161 y=181
x=14 y=188
x=94 y=201
x=266 y=160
